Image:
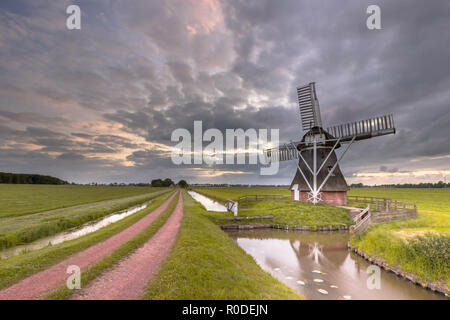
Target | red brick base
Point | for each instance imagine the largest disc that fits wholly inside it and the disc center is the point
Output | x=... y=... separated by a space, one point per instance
x=337 y=198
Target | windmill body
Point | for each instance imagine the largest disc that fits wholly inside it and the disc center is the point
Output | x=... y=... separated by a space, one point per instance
x=335 y=189
x=318 y=177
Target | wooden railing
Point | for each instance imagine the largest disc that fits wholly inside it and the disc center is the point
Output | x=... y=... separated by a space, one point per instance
x=232 y=206
x=256 y=197
x=396 y=206
x=362 y=221
x=386 y=204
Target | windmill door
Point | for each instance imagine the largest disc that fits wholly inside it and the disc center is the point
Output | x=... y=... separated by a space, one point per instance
x=295 y=192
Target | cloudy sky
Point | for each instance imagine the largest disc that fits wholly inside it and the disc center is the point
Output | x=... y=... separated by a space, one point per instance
x=100 y=103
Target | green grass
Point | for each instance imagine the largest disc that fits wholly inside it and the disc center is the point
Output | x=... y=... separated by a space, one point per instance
x=427 y=199
x=233 y=193
x=22 y=229
x=122 y=252
x=25 y=199
x=290 y=213
x=19 y=267
x=409 y=243
x=207 y=264
x=427 y=256
x=296 y=213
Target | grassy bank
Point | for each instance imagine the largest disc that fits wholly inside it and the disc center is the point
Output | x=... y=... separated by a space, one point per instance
x=25 y=199
x=426 y=255
x=213 y=265
x=295 y=213
x=420 y=246
x=122 y=252
x=25 y=229
x=285 y=212
x=19 y=267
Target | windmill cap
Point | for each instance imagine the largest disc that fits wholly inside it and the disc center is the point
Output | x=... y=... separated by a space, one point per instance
x=320 y=130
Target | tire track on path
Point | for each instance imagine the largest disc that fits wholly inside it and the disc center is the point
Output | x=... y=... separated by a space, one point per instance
x=128 y=280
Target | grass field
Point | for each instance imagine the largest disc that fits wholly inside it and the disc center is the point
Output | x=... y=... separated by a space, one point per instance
x=25 y=199
x=420 y=245
x=428 y=200
x=18 y=227
x=19 y=267
x=206 y=264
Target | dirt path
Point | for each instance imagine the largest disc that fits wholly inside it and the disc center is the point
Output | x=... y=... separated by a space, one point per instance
x=42 y=283
x=128 y=280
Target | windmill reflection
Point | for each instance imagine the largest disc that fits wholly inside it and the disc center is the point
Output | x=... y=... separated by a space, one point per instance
x=316 y=253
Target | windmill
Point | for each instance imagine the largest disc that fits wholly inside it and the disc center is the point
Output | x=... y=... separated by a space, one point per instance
x=318 y=177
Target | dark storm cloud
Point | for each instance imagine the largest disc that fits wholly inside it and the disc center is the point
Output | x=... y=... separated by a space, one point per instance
x=133 y=74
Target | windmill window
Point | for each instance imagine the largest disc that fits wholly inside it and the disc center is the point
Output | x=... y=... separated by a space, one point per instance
x=329 y=170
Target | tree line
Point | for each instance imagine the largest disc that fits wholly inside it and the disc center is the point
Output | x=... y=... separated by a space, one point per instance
x=167 y=183
x=440 y=184
x=25 y=178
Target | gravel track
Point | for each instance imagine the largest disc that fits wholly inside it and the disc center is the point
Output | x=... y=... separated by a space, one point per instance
x=43 y=283
x=129 y=278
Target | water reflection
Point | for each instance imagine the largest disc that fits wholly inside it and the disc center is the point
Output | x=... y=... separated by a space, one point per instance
x=210 y=205
x=320 y=266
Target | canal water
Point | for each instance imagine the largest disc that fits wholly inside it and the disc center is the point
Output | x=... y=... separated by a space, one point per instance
x=320 y=266
x=210 y=205
x=73 y=233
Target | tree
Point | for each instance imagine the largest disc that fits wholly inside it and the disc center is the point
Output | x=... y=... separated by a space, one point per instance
x=182 y=184
x=167 y=182
x=25 y=178
x=157 y=183
x=162 y=183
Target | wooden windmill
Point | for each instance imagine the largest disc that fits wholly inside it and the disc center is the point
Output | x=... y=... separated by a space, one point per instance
x=318 y=177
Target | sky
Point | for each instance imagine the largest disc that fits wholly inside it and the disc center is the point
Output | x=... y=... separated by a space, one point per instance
x=99 y=104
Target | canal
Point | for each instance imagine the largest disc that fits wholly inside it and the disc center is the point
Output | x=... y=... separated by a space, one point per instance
x=319 y=266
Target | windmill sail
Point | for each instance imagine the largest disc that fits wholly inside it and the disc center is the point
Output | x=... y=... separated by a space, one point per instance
x=284 y=153
x=364 y=129
x=309 y=106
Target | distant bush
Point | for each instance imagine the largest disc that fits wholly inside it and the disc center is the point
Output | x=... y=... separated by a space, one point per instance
x=24 y=178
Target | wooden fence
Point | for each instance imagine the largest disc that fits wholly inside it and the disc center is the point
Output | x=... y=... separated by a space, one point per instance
x=362 y=221
x=371 y=200
x=396 y=206
x=386 y=204
x=262 y=197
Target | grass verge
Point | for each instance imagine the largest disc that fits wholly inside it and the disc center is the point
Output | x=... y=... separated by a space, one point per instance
x=122 y=252
x=213 y=266
x=19 y=267
x=425 y=254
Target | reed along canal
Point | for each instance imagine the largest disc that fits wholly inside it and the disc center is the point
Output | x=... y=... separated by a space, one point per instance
x=320 y=266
